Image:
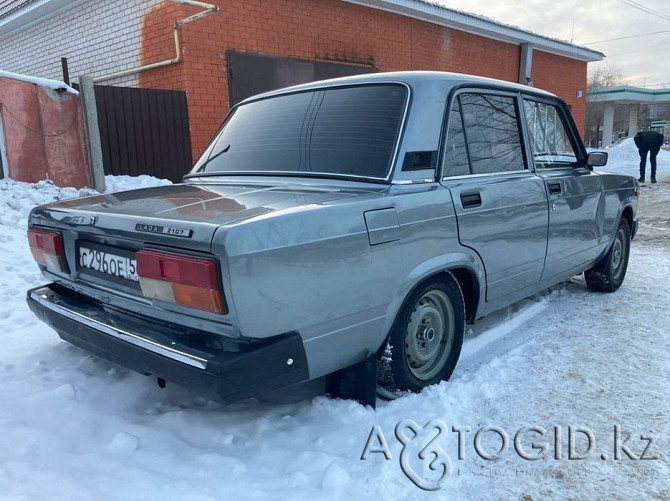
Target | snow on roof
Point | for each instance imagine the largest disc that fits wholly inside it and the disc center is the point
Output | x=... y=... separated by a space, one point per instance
x=42 y=82
x=6 y=8
x=18 y=14
x=625 y=94
x=481 y=25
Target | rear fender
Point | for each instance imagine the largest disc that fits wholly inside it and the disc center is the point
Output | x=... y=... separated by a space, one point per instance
x=429 y=269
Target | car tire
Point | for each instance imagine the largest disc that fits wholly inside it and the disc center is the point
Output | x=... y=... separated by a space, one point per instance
x=609 y=272
x=427 y=336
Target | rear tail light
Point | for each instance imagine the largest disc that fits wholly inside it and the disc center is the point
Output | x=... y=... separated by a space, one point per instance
x=183 y=280
x=47 y=249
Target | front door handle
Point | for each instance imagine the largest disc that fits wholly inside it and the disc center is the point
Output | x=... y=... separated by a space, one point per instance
x=471 y=200
x=554 y=188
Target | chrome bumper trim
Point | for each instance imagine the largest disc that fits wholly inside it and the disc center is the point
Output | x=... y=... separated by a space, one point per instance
x=44 y=297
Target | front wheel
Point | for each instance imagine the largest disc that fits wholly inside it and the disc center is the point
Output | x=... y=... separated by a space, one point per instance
x=427 y=336
x=608 y=273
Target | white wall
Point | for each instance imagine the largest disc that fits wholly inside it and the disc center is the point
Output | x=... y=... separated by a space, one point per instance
x=98 y=37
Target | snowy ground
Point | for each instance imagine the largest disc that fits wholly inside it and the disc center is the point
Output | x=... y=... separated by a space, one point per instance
x=75 y=427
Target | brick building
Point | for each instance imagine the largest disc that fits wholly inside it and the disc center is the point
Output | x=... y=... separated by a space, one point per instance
x=254 y=45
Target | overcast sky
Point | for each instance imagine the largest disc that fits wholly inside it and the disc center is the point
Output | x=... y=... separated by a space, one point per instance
x=643 y=60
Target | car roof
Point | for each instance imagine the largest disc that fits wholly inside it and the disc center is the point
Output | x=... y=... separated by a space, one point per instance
x=412 y=78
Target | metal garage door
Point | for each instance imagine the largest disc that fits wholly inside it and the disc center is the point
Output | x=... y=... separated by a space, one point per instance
x=250 y=74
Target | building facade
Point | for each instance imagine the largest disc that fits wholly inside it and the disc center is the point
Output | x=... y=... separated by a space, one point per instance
x=254 y=45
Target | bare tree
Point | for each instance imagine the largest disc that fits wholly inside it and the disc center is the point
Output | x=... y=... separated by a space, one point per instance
x=601 y=77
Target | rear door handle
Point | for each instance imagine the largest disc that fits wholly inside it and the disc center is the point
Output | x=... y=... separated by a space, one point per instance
x=554 y=188
x=471 y=200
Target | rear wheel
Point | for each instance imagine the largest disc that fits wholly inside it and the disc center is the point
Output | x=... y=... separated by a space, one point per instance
x=608 y=273
x=426 y=340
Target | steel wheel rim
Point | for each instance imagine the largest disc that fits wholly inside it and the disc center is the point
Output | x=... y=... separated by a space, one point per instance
x=430 y=335
x=618 y=252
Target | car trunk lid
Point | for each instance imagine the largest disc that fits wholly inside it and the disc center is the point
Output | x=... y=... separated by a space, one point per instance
x=182 y=215
x=102 y=233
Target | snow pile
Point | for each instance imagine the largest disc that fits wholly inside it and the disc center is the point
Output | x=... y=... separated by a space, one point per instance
x=42 y=82
x=624 y=159
x=73 y=426
x=122 y=183
x=17 y=198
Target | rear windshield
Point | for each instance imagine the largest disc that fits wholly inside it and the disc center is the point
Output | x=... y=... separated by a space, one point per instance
x=348 y=131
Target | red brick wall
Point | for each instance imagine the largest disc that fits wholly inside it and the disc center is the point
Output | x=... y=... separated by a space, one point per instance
x=320 y=29
x=158 y=45
x=564 y=77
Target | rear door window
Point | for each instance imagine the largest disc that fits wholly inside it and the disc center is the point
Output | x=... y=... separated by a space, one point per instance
x=456 y=158
x=483 y=136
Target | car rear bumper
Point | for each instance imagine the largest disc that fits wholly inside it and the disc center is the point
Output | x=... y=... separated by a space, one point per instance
x=224 y=370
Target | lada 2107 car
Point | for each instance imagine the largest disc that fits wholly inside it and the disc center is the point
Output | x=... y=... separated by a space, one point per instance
x=330 y=223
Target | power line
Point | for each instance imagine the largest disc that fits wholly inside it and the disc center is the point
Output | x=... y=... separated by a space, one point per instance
x=643 y=8
x=625 y=37
x=634 y=51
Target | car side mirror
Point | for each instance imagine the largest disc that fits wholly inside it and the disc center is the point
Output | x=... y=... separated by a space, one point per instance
x=596 y=159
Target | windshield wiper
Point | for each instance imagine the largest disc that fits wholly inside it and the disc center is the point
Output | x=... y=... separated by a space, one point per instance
x=212 y=157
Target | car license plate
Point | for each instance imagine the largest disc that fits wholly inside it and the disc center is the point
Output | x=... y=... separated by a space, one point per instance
x=108 y=263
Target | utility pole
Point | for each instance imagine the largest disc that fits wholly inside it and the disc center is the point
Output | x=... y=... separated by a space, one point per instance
x=92 y=133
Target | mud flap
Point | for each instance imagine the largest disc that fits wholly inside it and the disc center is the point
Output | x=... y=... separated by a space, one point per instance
x=358 y=382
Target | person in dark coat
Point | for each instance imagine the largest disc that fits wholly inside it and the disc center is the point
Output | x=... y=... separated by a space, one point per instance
x=648 y=141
